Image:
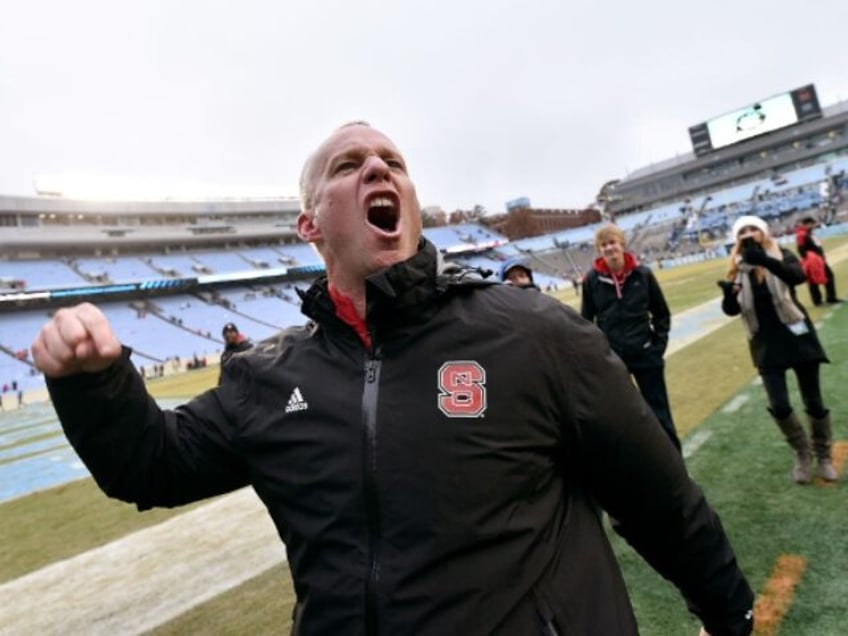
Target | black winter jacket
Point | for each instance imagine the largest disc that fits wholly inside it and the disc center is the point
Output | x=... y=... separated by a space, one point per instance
x=446 y=481
x=636 y=322
x=230 y=350
x=773 y=345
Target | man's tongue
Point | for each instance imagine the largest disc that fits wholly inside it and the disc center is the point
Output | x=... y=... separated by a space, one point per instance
x=383 y=218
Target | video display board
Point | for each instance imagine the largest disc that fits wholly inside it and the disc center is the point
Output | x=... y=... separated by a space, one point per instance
x=759 y=118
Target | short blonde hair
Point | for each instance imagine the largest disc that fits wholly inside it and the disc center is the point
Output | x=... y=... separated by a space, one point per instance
x=308 y=173
x=609 y=232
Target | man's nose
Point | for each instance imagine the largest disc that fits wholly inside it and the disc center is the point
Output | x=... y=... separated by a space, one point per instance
x=375 y=169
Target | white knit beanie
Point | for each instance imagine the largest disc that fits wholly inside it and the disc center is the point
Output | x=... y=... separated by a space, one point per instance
x=749 y=221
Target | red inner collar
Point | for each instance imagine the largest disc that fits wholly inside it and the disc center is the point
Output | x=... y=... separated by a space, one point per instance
x=346 y=312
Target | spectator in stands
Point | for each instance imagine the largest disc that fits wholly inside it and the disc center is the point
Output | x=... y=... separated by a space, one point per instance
x=514 y=272
x=760 y=286
x=626 y=301
x=234 y=342
x=431 y=446
x=810 y=248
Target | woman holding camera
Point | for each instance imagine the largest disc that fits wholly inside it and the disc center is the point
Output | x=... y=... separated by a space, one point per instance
x=760 y=287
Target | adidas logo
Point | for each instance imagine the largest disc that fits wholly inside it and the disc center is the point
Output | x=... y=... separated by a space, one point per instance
x=296 y=402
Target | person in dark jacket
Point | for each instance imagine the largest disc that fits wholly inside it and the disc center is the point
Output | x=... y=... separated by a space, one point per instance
x=432 y=446
x=626 y=301
x=515 y=272
x=760 y=287
x=234 y=342
x=807 y=243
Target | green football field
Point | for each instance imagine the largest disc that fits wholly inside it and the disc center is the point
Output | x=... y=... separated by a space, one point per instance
x=789 y=539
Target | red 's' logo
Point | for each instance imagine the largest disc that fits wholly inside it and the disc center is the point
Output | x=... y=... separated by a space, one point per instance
x=462 y=386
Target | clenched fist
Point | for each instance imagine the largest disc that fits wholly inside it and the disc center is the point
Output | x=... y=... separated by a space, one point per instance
x=78 y=339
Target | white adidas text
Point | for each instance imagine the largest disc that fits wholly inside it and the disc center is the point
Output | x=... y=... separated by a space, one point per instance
x=296 y=402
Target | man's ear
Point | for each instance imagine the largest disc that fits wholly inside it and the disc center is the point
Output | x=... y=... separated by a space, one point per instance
x=306 y=227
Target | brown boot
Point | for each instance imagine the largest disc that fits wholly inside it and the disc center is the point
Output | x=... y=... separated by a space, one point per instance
x=822 y=435
x=797 y=438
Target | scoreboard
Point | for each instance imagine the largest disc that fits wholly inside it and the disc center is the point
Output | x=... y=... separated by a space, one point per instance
x=759 y=118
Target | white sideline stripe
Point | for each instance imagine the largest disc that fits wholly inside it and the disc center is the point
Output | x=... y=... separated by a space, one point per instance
x=694 y=442
x=146 y=578
x=708 y=316
x=735 y=404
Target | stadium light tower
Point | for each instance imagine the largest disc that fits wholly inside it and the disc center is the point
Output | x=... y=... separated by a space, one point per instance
x=698 y=216
x=605 y=198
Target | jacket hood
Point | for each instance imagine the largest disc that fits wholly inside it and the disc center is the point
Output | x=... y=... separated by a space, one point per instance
x=408 y=287
x=630 y=263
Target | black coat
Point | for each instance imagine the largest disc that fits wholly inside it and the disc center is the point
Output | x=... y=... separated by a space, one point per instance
x=230 y=350
x=808 y=243
x=637 y=322
x=774 y=345
x=443 y=482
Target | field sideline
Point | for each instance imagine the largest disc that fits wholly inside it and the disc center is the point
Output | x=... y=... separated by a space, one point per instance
x=740 y=460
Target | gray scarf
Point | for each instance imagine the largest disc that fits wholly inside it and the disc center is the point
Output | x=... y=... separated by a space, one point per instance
x=787 y=311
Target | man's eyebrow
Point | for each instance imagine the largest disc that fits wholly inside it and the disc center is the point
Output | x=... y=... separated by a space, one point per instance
x=359 y=152
x=345 y=153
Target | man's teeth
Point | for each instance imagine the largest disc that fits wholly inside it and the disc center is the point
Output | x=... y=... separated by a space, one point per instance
x=381 y=202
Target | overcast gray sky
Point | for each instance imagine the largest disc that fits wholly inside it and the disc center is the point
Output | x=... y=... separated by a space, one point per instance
x=489 y=99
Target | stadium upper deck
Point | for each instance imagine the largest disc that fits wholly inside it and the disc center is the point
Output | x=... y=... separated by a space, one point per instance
x=47 y=226
x=766 y=156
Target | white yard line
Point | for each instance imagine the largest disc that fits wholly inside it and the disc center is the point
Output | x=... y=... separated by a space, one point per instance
x=692 y=443
x=735 y=404
x=148 y=577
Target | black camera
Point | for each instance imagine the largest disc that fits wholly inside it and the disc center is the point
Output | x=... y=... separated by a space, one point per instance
x=748 y=243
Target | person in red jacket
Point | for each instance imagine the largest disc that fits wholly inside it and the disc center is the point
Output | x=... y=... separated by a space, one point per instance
x=432 y=446
x=626 y=301
x=810 y=247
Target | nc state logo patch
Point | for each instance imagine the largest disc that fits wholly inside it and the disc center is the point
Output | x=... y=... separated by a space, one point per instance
x=462 y=389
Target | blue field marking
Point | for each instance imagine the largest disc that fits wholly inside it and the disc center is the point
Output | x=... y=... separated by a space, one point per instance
x=41 y=447
x=55 y=462
x=39 y=472
x=695 y=320
x=7 y=438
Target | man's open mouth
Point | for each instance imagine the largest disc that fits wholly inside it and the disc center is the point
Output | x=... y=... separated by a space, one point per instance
x=383 y=213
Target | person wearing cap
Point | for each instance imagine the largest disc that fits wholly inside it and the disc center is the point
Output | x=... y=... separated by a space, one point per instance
x=760 y=287
x=234 y=342
x=810 y=245
x=514 y=272
x=624 y=298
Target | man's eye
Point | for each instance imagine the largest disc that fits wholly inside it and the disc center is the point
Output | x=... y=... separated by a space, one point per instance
x=395 y=163
x=344 y=166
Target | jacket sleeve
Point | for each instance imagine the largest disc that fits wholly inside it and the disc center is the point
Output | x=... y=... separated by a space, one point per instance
x=660 y=314
x=631 y=468
x=789 y=270
x=809 y=244
x=729 y=300
x=140 y=453
x=587 y=302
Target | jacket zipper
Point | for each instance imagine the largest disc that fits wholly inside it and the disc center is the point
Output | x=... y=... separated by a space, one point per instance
x=372 y=504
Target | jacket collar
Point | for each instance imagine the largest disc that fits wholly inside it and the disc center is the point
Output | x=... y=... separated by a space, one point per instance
x=630 y=263
x=404 y=289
